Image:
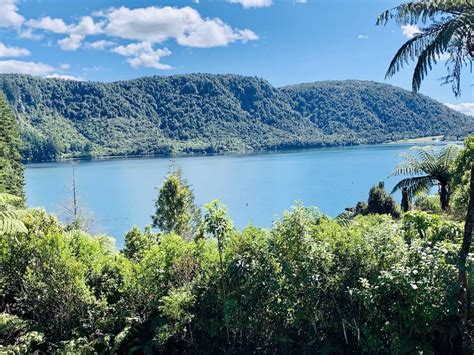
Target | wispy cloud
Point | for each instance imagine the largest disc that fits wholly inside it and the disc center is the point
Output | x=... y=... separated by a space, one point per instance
x=361 y=36
x=55 y=25
x=6 y=51
x=253 y=3
x=64 y=77
x=99 y=45
x=465 y=107
x=21 y=67
x=37 y=69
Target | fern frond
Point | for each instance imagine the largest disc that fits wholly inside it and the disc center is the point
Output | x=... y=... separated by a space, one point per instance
x=415 y=185
x=407 y=168
x=344 y=218
x=9 y=200
x=422 y=11
x=12 y=226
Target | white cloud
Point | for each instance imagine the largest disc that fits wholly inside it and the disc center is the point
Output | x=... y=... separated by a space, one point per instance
x=64 y=77
x=185 y=25
x=362 y=36
x=33 y=68
x=86 y=27
x=55 y=25
x=212 y=33
x=9 y=16
x=36 y=69
x=13 y=51
x=410 y=30
x=252 y=3
x=29 y=34
x=143 y=55
x=99 y=45
x=71 y=43
x=77 y=32
x=465 y=107
x=301 y=1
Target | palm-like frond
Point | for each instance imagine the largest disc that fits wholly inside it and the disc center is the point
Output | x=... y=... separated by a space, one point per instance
x=344 y=218
x=450 y=30
x=428 y=161
x=422 y=11
x=12 y=226
x=10 y=215
x=9 y=200
x=426 y=168
x=415 y=185
x=449 y=154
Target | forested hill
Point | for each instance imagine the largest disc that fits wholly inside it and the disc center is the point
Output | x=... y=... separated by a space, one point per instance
x=204 y=113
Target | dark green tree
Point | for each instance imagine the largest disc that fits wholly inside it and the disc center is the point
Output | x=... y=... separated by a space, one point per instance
x=137 y=243
x=176 y=211
x=381 y=202
x=11 y=167
x=449 y=28
x=428 y=168
x=219 y=226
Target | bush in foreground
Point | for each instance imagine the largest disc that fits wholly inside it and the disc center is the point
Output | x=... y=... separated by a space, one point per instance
x=307 y=284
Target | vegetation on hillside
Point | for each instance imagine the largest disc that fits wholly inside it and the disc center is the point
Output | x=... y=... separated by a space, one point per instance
x=204 y=113
x=378 y=279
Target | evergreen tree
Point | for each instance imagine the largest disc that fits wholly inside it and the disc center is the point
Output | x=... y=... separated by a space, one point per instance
x=175 y=208
x=381 y=202
x=11 y=167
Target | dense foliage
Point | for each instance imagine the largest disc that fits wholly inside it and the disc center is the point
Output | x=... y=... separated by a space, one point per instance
x=308 y=284
x=11 y=167
x=203 y=113
x=176 y=211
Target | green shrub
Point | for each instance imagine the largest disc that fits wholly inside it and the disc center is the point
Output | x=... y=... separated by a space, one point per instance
x=428 y=203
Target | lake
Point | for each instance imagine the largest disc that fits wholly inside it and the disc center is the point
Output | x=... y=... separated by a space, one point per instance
x=256 y=188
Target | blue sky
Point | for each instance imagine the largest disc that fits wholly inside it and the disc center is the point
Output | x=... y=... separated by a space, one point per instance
x=283 y=41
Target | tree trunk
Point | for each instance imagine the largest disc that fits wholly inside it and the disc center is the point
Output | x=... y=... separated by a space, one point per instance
x=464 y=252
x=405 y=203
x=444 y=196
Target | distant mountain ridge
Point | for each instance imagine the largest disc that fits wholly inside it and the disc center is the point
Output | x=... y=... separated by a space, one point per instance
x=205 y=113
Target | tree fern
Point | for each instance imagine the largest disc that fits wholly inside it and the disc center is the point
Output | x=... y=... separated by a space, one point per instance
x=428 y=167
x=10 y=215
x=449 y=30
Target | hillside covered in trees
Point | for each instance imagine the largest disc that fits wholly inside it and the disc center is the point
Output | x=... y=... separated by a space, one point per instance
x=204 y=113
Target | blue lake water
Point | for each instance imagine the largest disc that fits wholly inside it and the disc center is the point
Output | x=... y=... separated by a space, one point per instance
x=256 y=188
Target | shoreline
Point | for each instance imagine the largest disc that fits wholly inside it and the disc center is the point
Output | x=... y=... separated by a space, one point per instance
x=428 y=139
x=409 y=141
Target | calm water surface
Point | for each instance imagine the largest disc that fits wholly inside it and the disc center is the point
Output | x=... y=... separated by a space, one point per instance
x=120 y=193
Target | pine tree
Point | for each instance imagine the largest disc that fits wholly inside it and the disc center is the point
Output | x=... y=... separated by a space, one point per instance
x=176 y=211
x=11 y=167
